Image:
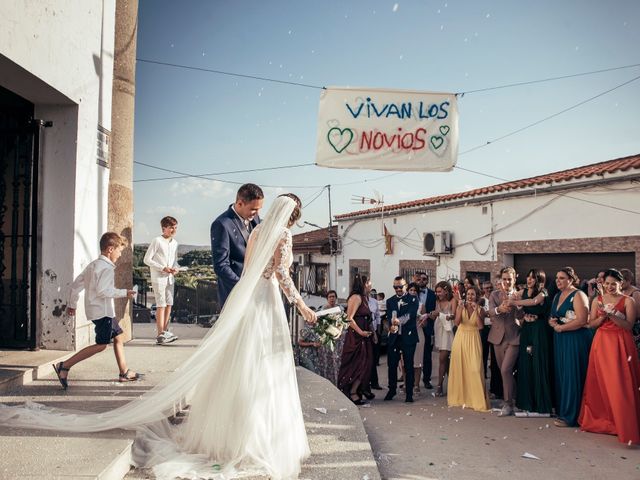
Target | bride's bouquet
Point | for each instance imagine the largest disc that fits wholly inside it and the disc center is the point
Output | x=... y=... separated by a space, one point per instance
x=330 y=325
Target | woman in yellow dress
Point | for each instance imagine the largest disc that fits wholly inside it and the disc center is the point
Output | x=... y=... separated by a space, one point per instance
x=466 y=372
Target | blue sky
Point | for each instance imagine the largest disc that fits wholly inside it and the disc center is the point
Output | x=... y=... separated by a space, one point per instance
x=198 y=122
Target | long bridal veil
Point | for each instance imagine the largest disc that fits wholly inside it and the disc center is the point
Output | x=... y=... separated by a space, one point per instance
x=232 y=389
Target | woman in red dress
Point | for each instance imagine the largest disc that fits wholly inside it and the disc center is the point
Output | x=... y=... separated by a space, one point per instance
x=357 y=353
x=611 y=401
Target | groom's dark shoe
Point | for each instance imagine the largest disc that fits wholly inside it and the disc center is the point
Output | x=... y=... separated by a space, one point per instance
x=409 y=400
x=389 y=396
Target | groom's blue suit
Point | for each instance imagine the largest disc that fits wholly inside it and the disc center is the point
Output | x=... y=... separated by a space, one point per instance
x=228 y=244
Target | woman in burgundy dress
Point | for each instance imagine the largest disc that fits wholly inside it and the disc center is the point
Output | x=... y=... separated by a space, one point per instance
x=357 y=353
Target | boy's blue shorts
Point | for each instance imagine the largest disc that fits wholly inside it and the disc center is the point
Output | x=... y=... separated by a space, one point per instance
x=106 y=329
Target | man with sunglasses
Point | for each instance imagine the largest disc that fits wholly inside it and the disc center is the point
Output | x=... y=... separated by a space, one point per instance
x=402 y=309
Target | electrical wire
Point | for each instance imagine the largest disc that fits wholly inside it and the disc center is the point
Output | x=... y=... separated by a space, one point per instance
x=559 y=194
x=549 y=79
x=315 y=197
x=490 y=142
x=317 y=87
x=263 y=169
x=230 y=74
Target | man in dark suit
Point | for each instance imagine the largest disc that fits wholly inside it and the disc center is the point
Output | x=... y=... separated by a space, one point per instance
x=229 y=236
x=403 y=337
x=428 y=299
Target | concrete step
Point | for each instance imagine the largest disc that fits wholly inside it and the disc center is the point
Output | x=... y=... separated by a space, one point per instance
x=339 y=444
x=19 y=367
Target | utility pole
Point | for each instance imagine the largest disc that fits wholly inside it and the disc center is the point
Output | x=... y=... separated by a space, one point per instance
x=120 y=217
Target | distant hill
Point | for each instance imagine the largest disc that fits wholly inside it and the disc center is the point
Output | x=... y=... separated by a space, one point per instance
x=182 y=249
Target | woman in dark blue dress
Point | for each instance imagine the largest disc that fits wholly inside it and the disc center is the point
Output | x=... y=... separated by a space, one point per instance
x=572 y=342
x=534 y=371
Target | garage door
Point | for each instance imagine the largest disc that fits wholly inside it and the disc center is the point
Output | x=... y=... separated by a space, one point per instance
x=586 y=265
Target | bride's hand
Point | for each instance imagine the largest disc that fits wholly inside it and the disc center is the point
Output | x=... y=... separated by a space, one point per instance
x=308 y=314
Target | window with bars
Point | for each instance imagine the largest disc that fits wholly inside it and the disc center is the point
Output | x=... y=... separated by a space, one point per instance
x=407 y=274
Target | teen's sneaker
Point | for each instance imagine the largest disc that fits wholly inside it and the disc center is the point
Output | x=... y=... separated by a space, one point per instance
x=169 y=337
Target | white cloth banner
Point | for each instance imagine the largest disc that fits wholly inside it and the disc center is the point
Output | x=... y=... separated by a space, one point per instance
x=387 y=130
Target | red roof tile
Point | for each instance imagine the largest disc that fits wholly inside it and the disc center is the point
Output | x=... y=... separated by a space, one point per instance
x=612 y=166
x=313 y=240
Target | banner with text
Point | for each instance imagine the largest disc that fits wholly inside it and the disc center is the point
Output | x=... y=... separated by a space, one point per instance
x=387 y=130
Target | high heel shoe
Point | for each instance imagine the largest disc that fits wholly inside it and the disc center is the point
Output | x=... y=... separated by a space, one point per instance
x=438 y=392
x=369 y=395
x=357 y=400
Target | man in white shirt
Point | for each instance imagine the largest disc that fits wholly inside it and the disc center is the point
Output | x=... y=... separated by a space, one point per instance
x=376 y=321
x=162 y=260
x=97 y=280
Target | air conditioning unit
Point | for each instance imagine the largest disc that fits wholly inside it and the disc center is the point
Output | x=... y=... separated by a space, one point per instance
x=437 y=243
x=303 y=259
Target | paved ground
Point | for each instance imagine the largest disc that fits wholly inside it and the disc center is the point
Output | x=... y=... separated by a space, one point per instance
x=428 y=440
x=424 y=440
x=339 y=444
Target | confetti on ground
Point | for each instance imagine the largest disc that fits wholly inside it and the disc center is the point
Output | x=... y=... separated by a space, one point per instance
x=321 y=410
x=529 y=455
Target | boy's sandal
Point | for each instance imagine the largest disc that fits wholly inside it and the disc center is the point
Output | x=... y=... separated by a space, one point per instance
x=58 y=367
x=124 y=377
x=560 y=423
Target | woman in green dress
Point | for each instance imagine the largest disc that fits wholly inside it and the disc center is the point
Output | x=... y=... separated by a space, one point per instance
x=534 y=371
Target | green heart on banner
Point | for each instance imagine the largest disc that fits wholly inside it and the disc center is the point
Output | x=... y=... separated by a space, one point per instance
x=436 y=141
x=339 y=139
x=444 y=129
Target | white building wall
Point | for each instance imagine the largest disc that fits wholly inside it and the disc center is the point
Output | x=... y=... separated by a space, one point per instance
x=59 y=55
x=536 y=217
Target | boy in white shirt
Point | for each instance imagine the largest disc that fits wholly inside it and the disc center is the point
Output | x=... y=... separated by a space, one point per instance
x=162 y=259
x=97 y=280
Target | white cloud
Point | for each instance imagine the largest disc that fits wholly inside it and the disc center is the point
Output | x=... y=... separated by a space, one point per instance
x=203 y=188
x=172 y=210
x=141 y=232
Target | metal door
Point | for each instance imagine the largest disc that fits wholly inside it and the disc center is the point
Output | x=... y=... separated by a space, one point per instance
x=19 y=158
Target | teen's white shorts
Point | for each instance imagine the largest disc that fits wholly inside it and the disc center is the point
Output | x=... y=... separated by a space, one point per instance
x=163 y=292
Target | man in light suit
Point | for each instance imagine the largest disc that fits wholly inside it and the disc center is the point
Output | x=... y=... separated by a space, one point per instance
x=505 y=335
x=229 y=236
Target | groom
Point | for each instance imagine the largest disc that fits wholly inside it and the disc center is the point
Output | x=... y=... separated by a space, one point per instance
x=229 y=235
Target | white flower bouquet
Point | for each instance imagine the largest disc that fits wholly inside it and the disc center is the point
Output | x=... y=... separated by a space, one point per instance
x=611 y=311
x=570 y=316
x=330 y=325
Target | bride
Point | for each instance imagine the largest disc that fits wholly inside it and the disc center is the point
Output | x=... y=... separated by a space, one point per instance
x=245 y=416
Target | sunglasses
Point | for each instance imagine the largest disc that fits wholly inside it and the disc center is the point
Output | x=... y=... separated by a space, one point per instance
x=398 y=287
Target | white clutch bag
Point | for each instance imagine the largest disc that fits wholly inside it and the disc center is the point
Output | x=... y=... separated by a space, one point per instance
x=446 y=324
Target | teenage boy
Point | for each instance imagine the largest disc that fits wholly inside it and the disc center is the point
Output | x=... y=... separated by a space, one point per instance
x=162 y=260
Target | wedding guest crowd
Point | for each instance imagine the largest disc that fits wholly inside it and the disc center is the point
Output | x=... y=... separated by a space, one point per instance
x=570 y=354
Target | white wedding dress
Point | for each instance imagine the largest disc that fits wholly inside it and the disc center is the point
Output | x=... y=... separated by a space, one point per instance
x=245 y=416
